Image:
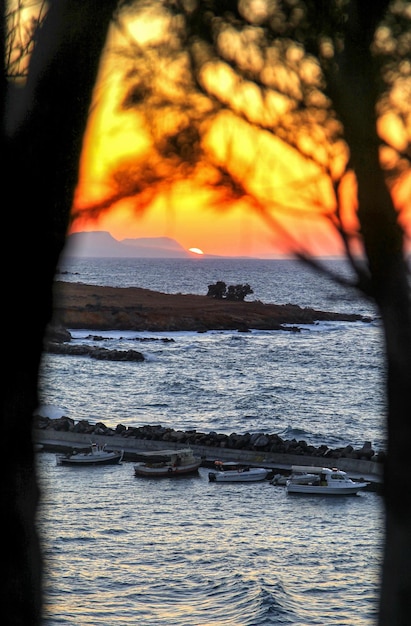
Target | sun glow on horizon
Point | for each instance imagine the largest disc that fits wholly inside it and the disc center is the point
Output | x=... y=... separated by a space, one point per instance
x=196 y=251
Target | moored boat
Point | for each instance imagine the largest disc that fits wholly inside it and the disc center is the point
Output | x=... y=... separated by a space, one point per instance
x=236 y=472
x=167 y=463
x=322 y=481
x=95 y=455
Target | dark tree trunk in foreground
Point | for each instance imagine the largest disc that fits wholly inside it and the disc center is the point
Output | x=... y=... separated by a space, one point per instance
x=354 y=96
x=42 y=136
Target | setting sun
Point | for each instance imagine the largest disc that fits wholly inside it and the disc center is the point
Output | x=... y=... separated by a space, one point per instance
x=196 y=250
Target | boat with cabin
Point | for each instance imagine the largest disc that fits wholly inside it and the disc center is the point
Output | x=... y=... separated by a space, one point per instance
x=322 y=481
x=94 y=455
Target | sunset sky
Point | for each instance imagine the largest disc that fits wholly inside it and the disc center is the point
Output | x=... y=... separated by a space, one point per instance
x=294 y=198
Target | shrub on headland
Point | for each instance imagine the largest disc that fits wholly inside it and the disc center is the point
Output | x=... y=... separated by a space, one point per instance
x=235 y=293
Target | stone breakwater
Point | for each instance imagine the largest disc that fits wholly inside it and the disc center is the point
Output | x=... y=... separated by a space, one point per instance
x=261 y=444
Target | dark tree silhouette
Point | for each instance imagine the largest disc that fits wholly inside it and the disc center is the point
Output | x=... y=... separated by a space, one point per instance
x=332 y=66
x=236 y=293
x=44 y=119
x=218 y=290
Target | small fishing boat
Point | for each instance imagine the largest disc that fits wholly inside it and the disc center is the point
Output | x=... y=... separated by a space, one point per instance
x=231 y=472
x=322 y=481
x=167 y=463
x=94 y=455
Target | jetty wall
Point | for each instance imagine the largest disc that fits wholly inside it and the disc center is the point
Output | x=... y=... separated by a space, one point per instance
x=58 y=441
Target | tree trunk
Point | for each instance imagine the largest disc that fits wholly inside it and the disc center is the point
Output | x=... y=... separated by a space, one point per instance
x=42 y=136
x=354 y=94
x=395 y=602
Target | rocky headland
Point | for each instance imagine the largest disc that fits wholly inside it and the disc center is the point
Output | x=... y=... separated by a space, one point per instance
x=77 y=305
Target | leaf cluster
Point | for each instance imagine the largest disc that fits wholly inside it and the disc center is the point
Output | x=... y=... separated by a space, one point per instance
x=235 y=293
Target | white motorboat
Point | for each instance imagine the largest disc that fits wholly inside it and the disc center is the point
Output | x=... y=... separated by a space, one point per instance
x=322 y=481
x=231 y=472
x=167 y=463
x=95 y=455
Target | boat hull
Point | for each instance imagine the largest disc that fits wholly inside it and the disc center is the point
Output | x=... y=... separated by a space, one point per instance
x=238 y=476
x=168 y=471
x=324 y=491
x=83 y=460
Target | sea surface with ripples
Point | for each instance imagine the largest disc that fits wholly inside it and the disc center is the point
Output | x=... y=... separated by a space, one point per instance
x=125 y=550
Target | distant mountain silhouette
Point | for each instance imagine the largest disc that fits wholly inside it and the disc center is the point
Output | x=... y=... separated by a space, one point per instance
x=102 y=244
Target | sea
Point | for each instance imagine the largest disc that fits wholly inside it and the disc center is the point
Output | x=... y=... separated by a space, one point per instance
x=122 y=550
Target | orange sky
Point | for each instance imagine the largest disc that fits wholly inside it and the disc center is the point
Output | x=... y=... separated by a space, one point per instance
x=187 y=212
x=294 y=196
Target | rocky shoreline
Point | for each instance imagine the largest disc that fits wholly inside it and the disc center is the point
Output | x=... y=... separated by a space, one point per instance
x=77 y=305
